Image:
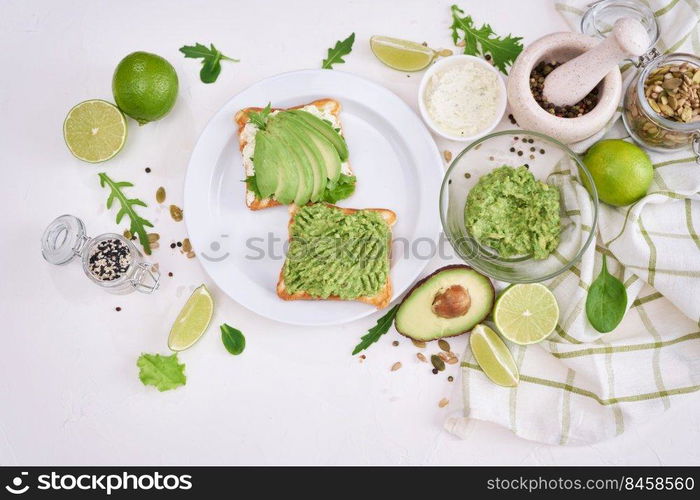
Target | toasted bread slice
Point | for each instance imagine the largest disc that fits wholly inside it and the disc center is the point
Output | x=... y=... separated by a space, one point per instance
x=241 y=118
x=380 y=300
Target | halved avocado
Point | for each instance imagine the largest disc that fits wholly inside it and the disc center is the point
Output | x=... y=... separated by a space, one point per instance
x=449 y=302
x=326 y=129
x=315 y=139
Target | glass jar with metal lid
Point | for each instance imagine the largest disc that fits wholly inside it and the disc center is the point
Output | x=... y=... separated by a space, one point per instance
x=660 y=106
x=109 y=260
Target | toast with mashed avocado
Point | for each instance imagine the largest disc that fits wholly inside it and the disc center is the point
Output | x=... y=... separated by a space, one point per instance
x=338 y=254
x=294 y=156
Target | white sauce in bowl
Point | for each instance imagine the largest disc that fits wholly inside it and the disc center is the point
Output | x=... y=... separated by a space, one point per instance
x=463 y=100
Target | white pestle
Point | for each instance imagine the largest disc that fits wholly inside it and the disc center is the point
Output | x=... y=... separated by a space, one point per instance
x=573 y=80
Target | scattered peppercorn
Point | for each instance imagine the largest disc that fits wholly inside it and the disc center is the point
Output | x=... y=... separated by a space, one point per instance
x=170 y=274
x=173 y=245
x=450 y=378
x=148 y=170
x=395 y=343
x=520 y=153
x=532 y=149
x=532 y=157
x=541 y=151
x=435 y=371
x=118 y=309
x=467 y=175
x=179 y=243
x=537 y=78
x=512 y=150
x=516 y=137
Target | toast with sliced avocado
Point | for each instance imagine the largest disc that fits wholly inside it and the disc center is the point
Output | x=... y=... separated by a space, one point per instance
x=294 y=156
x=338 y=254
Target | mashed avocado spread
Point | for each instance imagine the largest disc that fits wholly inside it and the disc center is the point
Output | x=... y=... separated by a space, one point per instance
x=513 y=213
x=333 y=253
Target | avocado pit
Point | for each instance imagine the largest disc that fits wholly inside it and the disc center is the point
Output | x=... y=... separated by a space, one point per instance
x=452 y=302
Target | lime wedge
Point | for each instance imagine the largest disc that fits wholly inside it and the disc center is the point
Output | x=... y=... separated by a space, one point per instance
x=94 y=130
x=403 y=55
x=192 y=321
x=493 y=356
x=526 y=314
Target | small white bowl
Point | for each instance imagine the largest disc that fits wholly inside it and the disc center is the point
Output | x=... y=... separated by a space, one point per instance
x=441 y=65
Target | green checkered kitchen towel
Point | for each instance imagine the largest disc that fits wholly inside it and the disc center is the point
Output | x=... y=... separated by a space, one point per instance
x=579 y=386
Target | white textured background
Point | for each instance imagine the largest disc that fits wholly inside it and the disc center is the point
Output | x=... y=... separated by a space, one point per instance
x=69 y=392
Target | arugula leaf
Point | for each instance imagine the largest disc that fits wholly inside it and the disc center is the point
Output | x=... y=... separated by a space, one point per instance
x=335 y=55
x=382 y=326
x=233 y=339
x=259 y=118
x=211 y=60
x=606 y=303
x=138 y=224
x=162 y=372
x=343 y=188
x=483 y=41
x=253 y=186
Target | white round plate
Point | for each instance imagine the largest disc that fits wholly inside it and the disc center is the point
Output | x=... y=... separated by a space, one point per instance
x=397 y=164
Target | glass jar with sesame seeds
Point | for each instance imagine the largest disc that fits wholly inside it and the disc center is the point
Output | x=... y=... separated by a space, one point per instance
x=109 y=260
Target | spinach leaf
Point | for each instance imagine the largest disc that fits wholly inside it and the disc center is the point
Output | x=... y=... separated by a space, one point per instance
x=233 y=339
x=606 y=303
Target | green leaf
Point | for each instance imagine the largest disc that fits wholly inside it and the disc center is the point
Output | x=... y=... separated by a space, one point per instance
x=483 y=41
x=343 y=188
x=335 y=55
x=162 y=372
x=382 y=326
x=138 y=225
x=253 y=186
x=211 y=60
x=606 y=303
x=233 y=339
x=259 y=118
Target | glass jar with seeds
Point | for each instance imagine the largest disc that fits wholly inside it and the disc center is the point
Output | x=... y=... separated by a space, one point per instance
x=662 y=104
x=109 y=260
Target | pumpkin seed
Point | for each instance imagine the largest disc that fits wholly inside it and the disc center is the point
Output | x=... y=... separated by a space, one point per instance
x=153 y=237
x=127 y=234
x=444 y=345
x=421 y=357
x=443 y=402
x=176 y=213
x=396 y=366
x=186 y=245
x=160 y=195
x=437 y=362
x=418 y=343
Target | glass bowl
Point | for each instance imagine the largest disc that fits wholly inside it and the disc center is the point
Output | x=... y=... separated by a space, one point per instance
x=551 y=162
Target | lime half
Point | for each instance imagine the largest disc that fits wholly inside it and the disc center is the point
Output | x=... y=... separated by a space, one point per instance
x=403 y=55
x=493 y=356
x=526 y=314
x=94 y=130
x=192 y=321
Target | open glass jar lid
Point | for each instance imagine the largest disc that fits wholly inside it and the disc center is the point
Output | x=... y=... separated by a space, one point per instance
x=109 y=260
x=661 y=107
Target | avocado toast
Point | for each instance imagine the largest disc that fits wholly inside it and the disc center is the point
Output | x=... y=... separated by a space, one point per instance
x=294 y=156
x=338 y=254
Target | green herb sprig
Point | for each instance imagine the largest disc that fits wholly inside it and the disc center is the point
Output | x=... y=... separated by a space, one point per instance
x=162 y=372
x=211 y=60
x=335 y=54
x=483 y=41
x=382 y=326
x=138 y=224
x=606 y=303
x=259 y=118
x=233 y=339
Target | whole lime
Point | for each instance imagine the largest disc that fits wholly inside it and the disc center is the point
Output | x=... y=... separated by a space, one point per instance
x=621 y=171
x=145 y=86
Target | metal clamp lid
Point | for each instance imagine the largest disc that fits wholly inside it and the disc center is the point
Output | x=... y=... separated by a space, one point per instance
x=145 y=278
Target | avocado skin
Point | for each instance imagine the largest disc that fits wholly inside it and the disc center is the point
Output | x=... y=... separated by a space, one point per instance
x=325 y=129
x=417 y=287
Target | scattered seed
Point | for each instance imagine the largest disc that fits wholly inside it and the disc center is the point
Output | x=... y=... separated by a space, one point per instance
x=448 y=155
x=362 y=356
x=154 y=245
x=396 y=366
x=435 y=371
x=170 y=274
x=176 y=213
x=418 y=343
x=467 y=175
x=461 y=43
x=186 y=245
x=421 y=357
x=190 y=254
x=148 y=170
x=443 y=356
x=443 y=402
x=118 y=309
x=179 y=243
x=155 y=267
x=395 y=343
x=452 y=360
x=437 y=362
x=160 y=195
x=444 y=345
x=127 y=234
x=450 y=378
x=445 y=53
x=153 y=237
x=173 y=245
x=541 y=151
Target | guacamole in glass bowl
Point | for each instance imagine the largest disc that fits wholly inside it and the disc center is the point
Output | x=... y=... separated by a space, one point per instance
x=514 y=207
